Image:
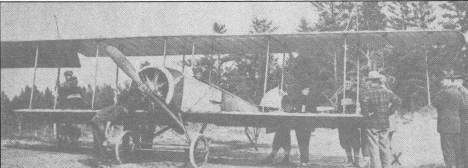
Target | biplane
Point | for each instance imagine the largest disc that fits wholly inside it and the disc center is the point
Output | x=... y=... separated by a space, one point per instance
x=182 y=98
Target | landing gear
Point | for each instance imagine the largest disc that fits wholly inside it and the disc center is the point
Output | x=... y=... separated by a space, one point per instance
x=124 y=148
x=253 y=133
x=199 y=151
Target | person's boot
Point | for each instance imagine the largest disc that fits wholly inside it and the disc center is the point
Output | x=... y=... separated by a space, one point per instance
x=365 y=162
x=269 y=159
x=350 y=160
x=356 y=162
x=285 y=160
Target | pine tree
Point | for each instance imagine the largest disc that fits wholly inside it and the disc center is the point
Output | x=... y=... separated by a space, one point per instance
x=260 y=26
x=371 y=16
x=219 y=28
x=333 y=15
x=400 y=16
x=405 y=15
x=305 y=26
x=424 y=13
x=457 y=16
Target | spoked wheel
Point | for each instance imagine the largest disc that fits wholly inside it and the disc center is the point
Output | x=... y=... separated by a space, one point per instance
x=199 y=151
x=125 y=148
x=253 y=133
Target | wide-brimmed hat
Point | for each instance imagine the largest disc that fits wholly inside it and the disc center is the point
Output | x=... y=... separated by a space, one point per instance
x=458 y=77
x=66 y=73
x=374 y=75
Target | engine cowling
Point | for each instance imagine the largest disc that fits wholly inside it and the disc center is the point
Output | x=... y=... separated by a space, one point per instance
x=182 y=93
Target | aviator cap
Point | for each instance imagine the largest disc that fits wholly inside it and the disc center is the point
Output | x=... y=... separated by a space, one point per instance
x=68 y=73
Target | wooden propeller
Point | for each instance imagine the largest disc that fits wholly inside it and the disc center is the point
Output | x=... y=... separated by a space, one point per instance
x=127 y=67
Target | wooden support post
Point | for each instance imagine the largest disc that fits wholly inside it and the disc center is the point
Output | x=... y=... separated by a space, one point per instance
x=345 y=48
x=266 y=72
x=165 y=45
x=282 y=74
x=266 y=69
x=427 y=81
x=209 y=69
x=193 y=54
x=57 y=85
x=219 y=66
x=336 y=78
x=358 y=104
x=183 y=64
x=34 y=78
x=116 y=93
x=95 y=77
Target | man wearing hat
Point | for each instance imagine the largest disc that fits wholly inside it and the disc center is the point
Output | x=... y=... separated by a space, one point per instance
x=448 y=103
x=458 y=81
x=69 y=98
x=378 y=103
x=63 y=89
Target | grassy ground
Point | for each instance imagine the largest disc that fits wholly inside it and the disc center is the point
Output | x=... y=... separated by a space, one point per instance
x=416 y=138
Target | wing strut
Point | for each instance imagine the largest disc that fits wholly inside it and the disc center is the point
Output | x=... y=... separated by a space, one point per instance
x=165 y=47
x=34 y=78
x=95 y=76
x=345 y=48
x=266 y=71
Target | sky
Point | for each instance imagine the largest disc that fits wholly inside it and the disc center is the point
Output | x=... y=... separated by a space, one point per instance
x=35 y=21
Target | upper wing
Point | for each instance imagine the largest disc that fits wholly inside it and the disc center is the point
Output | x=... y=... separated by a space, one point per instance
x=21 y=53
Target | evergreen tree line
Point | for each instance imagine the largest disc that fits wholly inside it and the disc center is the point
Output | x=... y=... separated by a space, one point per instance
x=46 y=100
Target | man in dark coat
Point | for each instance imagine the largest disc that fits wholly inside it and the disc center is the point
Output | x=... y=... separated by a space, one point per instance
x=304 y=103
x=70 y=97
x=350 y=137
x=463 y=117
x=448 y=103
x=378 y=103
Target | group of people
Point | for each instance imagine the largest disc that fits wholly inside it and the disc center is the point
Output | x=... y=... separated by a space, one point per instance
x=451 y=104
x=378 y=104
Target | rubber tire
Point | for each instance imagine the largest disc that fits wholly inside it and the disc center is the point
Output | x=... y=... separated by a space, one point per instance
x=121 y=155
x=193 y=146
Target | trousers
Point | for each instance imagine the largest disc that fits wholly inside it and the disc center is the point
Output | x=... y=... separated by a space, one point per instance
x=303 y=139
x=451 y=149
x=377 y=145
x=282 y=139
x=464 y=136
x=350 y=138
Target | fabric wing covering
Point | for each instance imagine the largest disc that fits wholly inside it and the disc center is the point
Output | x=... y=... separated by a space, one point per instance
x=62 y=52
x=51 y=54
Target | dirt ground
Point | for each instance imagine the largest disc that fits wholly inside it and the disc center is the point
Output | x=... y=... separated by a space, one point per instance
x=417 y=140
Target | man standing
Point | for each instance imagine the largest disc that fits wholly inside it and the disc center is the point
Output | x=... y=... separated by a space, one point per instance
x=69 y=98
x=282 y=138
x=463 y=118
x=350 y=137
x=304 y=104
x=378 y=104
x=448 y=103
